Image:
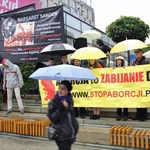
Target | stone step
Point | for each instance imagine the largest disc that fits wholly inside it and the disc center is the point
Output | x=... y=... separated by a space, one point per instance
x=103 y=122
x=28 y=109
x=37 y=108
x=90 y=131
x=28 y=101
x=31 y=96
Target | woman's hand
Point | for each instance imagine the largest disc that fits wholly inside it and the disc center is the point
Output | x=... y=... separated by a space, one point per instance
x=91 y=68
x=65 y=103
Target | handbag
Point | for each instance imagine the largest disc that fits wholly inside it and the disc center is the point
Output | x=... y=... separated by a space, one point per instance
x=53 y=132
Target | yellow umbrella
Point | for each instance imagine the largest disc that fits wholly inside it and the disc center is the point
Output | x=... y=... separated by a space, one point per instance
x=91 y=35
x=127 y=45
x=88 y=53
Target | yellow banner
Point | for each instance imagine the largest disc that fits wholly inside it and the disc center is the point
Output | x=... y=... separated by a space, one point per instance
x=127 y=87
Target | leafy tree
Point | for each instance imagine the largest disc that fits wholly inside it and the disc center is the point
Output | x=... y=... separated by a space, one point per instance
x=27 y=70
x=128 y=27
x=147 y=48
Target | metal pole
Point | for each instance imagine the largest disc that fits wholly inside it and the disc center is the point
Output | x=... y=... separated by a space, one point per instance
x=128 y=58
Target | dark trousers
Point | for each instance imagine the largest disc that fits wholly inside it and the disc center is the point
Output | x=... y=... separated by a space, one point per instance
x=63 y=144
x=141 y=113
x=37 y=87
x=81 y=109
x=4 y=94
x=125 y=112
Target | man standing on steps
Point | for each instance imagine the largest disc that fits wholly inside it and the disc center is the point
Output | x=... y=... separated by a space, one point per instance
x=140 y=60
x=12 y=80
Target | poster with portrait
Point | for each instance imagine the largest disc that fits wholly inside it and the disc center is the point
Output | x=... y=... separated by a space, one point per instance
x=24 y=35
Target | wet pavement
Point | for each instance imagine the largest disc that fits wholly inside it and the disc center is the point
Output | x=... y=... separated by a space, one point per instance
x=8 y=142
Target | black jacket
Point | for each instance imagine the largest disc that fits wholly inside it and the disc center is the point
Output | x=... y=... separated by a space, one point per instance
x=56 y=113
x=142 y=61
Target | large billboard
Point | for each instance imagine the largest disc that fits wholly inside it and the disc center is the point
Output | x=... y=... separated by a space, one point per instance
x=7 y=5
x=24 y=35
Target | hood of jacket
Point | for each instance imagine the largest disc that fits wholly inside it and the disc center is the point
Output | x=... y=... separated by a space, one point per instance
x=7 y=63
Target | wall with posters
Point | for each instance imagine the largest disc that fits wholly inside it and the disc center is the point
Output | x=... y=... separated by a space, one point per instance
x=7 y=5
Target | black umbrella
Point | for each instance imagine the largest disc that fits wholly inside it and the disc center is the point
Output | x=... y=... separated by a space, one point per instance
x=58 y=49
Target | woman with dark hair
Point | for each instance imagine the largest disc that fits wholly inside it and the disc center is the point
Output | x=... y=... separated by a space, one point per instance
x=120 y=63
x=94 y=64
x=61 y=114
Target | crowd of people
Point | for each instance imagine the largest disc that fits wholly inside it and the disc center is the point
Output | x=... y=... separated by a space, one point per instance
x=12 y=80
x=60 y=108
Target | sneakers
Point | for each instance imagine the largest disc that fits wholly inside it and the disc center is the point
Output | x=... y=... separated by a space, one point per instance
x=136 y=118
x=118 y=118
x=22 y=112
x=8 y=112
x=143 y=119
x=95 y=117
x=82 y=116
x=125 y=118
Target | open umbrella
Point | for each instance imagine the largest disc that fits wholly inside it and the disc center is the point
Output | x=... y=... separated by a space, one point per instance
x=147 y=54
x=88 y=53
x=58 y=49
x=91 y=35
x=63 y=72
x=127 y=45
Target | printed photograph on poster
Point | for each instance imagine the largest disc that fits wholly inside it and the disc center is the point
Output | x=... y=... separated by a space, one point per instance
x=23 y=35
x=8 y=27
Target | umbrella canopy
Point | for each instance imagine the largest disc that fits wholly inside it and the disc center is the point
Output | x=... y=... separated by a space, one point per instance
x=91 y=35
x=63 y=72
x=147 y=54
x=58 y=49
x=88 y=53
x=127 y=45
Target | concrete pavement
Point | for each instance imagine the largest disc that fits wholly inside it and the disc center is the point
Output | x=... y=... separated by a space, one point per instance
x=21 y=143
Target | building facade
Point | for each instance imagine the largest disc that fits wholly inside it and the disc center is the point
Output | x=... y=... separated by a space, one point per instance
x=79 y=16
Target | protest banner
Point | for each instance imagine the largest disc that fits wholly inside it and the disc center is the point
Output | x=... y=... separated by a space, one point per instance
x=24 y=35
x=114 y=88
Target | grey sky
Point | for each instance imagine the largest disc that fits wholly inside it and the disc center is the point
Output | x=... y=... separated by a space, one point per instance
x=107 y=11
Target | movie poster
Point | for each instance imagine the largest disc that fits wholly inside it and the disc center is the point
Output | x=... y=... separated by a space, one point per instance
x=24 y=35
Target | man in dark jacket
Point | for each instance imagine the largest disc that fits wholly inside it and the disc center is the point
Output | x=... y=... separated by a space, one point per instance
x=140 y=60
x=105 y=49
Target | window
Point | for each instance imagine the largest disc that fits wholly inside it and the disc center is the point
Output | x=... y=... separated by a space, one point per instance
x=85 y=27
x=64 y=18
x=73 y=33
x=67 y=2
x=73 y=22
x=74 y=5
x=86 y=13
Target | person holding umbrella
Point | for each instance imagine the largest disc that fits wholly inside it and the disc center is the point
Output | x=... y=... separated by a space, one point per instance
x=61 y=114
x=120 y=63
x=77 y=62
x=94 y=64
x=140 y=60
